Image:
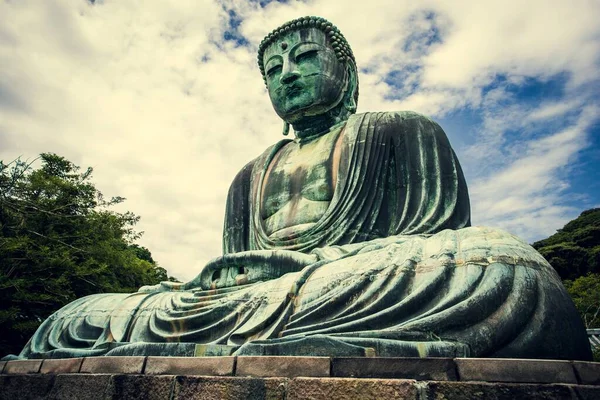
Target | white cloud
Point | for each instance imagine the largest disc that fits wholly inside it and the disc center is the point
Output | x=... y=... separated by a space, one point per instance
x=167 y=112
x=525 y=196
x=553 y=110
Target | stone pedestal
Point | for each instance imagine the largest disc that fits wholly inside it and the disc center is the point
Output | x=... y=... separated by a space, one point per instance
x=298 y=378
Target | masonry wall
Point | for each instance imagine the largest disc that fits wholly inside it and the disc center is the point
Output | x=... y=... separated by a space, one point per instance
x=297 y=378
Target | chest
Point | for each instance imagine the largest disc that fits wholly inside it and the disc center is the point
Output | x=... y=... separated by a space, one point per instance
x=300 y=172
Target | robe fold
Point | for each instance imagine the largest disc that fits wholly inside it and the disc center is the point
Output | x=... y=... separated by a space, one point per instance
x=399 y=273
x=415 y=185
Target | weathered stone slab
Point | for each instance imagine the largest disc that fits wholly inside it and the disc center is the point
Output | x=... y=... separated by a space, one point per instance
x=61 y=366
x=17 y=387
x=342 y=388
x=147 y=387
x=79 y=386
x=515 y=370
x=113 y=365
x=22 y=367
x=212 y=366
x=495 y=391
x=436 y=369
x=227 y=387
x=588 y=372
x=283 y=366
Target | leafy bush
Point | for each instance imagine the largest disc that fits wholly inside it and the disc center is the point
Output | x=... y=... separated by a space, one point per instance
x=574 y=251
x=59 y=241
x=585 y=292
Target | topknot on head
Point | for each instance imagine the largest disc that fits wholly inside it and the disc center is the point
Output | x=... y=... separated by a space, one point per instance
x=337 y=40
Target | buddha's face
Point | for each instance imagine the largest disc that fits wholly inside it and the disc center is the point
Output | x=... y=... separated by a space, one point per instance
x=304 y=76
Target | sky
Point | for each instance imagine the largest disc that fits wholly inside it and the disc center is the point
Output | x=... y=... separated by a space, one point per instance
x=165 y=101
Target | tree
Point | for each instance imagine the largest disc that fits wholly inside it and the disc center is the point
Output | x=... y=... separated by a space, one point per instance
x=59 y=240
x=574 y=250
x=585 y=292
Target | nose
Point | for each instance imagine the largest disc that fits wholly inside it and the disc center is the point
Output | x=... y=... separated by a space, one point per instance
x=289 y=77
x=289 y=72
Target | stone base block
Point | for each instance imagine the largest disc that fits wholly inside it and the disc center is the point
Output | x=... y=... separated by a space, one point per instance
x=346 y=389
x=80 y=386
x=145 y=387
x=61 y=366
x=282 y=366
x=23 y=367
x=229 y=388
x=115 y=365
x=13 y=387
x=588 y=372
x=515 y=370
x=435 y=369
x=211 y=366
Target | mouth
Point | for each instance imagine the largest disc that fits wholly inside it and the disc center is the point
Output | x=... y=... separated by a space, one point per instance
x=292 y=90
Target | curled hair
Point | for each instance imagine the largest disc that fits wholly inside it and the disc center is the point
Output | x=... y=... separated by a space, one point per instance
x=336 y=39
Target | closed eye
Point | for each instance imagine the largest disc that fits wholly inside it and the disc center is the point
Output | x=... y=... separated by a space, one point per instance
x=305 y=55
x=273 y=70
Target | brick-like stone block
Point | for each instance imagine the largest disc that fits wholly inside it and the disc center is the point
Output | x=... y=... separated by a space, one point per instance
x=495 y=391
x=283 y=366
x=146 y=387
x=589 y=372
x=515 y=370
x=345 y=388
x=61 y=366
x=586 y=392
x=79 y=386
x=229 y=388
x=22 y=367
x=113 y=365
x=212 y=366
x=17 y=387
x=433 y=369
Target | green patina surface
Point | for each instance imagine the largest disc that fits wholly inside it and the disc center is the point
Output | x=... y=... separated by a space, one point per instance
x=353 y=239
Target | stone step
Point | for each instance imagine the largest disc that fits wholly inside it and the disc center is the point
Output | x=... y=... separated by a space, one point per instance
x=167 y=387
x=298 y=378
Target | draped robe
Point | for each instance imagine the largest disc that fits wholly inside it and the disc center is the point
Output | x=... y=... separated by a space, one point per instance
x=399 y=273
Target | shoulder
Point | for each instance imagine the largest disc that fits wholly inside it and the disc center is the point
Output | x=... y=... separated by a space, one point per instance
x=397 y=117
x=403 y=123
x=243 y=177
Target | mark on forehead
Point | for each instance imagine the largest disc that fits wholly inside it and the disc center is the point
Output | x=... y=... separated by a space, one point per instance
x=293 y=38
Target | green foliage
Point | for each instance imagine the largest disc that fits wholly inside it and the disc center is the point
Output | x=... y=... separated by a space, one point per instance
x=585 y=292
x=574 y=251
x=59 y=241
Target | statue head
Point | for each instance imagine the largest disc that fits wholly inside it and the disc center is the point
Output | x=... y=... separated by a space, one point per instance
x=310 y=74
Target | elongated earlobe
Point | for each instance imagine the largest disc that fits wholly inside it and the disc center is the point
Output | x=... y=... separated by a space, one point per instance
x=286 y=128
x=351 y=105
x=350 y=100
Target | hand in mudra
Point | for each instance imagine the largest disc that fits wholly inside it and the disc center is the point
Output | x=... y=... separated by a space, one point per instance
x=248 y=267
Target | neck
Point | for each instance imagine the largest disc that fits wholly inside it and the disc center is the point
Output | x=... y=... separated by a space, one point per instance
x=313 y=127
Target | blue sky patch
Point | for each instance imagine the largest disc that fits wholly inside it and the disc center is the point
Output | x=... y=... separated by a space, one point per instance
x=232 y=32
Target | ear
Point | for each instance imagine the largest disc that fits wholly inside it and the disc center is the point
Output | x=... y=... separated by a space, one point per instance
x=351 y=96
x=286 y=128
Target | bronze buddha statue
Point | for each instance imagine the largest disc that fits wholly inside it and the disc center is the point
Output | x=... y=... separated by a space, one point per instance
x=352 y=239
